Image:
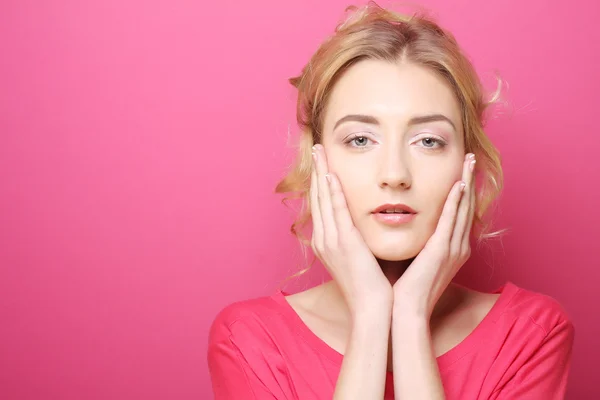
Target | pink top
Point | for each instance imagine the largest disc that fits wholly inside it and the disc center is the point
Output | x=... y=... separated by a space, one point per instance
x=261 y=349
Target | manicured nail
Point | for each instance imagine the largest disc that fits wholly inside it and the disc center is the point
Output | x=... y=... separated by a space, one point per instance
x=471 y=156
x=472 y=165
x=462 y=186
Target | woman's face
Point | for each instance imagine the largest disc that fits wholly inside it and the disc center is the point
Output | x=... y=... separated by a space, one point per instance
x=406 y=147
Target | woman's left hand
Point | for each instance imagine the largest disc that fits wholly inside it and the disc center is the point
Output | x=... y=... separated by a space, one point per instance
x=423 y=283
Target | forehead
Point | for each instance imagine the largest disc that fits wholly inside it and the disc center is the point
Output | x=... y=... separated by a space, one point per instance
x=391 y=91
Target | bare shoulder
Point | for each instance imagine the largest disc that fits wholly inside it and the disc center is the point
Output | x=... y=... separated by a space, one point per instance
x=318 y=300
x=321 y=311
x=469 y=309
x=481 y=301
x=474 y=304
x=309 y=301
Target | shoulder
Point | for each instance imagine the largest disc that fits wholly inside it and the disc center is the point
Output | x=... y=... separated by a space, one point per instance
x=535 y=310
x=530 y=325
x=531 y=345
x=251 y=335
x=243 y=323
x=243 y=312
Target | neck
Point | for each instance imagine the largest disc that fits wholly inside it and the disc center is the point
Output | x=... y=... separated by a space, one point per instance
x=393 y=270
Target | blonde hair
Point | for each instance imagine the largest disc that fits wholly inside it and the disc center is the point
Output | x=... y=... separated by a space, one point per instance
x=372 y=32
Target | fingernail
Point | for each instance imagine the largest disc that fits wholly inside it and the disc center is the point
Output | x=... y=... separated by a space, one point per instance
x=328 y=178
x=472 y=165
x=462 y=186
x=471 y=156
x=314 y=156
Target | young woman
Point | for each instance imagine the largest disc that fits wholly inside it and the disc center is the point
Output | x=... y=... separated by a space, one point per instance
x=392 y=115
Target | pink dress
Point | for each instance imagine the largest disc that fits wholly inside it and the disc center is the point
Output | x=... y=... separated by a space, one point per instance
x=261 y=349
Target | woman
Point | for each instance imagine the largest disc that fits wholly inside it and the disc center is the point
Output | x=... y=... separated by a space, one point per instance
x=392 y=117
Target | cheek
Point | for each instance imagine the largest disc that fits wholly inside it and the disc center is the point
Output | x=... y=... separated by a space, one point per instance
x=355 y=187
x=435 y=191
x=352 y=189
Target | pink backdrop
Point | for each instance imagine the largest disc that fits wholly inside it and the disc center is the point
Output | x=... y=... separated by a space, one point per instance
x=140 y=145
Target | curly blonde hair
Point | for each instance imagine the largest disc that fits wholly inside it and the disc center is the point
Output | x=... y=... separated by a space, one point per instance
x=373 y=32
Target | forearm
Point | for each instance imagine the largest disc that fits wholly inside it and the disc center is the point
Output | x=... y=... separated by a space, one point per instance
x=363 y=372
x=416 y=373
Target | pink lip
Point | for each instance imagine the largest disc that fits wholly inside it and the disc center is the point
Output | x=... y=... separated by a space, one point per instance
x=388 y=206
x=394 y=219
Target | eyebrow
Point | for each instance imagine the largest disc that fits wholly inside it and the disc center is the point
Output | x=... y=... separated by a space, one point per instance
x=419 y=119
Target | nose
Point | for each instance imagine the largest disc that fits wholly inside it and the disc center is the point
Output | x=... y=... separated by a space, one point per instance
x=394 y=169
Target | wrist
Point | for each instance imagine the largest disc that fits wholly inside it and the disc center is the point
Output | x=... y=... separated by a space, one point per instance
x=379 y=301
x=411 y=311
x=373 y=311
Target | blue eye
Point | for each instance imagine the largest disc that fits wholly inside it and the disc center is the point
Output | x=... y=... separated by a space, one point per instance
x=430 y=142
x=355 y=139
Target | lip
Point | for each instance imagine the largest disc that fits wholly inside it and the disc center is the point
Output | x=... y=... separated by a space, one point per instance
x=394 y=219
x=398 y=206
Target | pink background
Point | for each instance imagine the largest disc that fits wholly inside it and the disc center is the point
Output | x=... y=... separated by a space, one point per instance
x=140 y=145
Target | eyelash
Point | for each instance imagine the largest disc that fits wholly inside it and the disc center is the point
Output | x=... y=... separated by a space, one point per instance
x=440 y=142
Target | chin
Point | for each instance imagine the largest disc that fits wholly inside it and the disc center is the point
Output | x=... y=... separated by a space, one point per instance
x=397 y=244
x=395 y=251
x=395 y=255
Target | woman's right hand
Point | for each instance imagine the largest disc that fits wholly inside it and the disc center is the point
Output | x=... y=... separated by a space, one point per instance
x=338 y=243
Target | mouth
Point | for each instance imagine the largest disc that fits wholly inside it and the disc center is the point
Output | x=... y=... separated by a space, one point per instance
x=394 y=209
x=394 y=218
x=394 y=214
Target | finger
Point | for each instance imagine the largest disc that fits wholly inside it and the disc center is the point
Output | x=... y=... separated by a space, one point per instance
x=341 y=214
x=473 y=205
x=329 y=227
x=317 y=236
x=463 y=208
x=445 y=225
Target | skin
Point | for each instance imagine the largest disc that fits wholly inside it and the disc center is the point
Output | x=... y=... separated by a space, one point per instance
x=373 y=291
x=392 y=164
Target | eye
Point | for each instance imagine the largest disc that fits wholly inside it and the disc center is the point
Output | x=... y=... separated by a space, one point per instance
x=358 y=140
x=430 y=142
